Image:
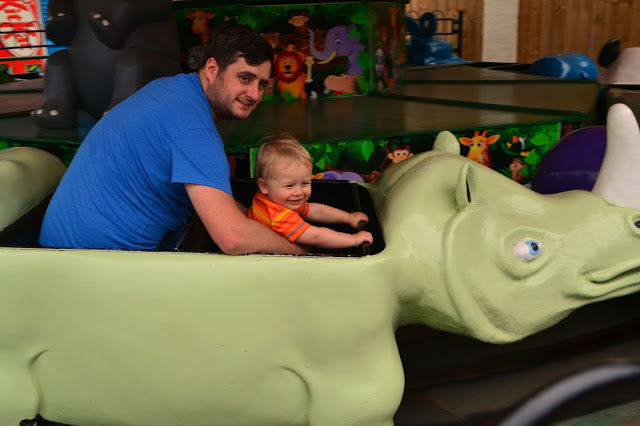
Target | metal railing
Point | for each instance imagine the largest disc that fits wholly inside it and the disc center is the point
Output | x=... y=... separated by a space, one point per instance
x=29 y=40
x=456 y=30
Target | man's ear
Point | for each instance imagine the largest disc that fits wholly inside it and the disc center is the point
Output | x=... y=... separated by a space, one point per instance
x=211 y=69
x=263 y=186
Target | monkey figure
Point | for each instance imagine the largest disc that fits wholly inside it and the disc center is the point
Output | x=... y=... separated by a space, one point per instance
x=299 y=19
x=397 y=154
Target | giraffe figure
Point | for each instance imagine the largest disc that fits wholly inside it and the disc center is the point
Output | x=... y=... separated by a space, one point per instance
x=200 y=24
x=479 y=147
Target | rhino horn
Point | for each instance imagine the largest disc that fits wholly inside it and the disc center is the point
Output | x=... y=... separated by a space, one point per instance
x=618 y=181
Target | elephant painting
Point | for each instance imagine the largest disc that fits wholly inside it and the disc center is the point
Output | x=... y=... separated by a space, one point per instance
x=338 y=43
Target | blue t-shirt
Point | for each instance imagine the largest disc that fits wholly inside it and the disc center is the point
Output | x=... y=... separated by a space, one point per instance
x=125 y=187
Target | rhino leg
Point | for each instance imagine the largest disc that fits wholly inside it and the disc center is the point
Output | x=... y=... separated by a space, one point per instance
x=369 y=395
x=19 y=398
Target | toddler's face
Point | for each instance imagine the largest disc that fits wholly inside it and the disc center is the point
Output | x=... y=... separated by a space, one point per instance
x=288 y=185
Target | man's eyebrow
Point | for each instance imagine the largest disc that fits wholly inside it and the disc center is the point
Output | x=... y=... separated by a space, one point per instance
x=247 y=72
x=253 y=75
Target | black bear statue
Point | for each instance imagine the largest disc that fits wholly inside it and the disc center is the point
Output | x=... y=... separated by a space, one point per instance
x=115 y=48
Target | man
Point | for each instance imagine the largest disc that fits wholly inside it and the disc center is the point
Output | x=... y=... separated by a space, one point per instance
x=157 y=155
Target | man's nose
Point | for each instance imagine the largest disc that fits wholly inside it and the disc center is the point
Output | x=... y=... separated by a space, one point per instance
x=254 y=91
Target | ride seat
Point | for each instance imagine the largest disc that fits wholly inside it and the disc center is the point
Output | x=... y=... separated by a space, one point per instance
x=28 y=179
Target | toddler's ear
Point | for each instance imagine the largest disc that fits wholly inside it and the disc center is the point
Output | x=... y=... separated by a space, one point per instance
x=263 y=186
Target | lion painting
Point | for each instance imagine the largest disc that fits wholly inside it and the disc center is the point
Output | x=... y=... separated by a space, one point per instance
x=289 y=71
x=272 y=38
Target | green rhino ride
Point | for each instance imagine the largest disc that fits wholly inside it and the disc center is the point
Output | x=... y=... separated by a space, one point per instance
x=93 y=337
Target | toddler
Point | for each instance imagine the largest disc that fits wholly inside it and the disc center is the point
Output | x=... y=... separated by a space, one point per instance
x=283 y=169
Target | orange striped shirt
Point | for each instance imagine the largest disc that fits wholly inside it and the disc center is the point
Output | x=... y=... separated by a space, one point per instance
x=284 y=221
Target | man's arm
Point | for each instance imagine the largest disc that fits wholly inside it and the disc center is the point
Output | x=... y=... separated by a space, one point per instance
x=231 y=230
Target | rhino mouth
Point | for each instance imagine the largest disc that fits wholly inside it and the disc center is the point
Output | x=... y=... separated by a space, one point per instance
x=616 y=277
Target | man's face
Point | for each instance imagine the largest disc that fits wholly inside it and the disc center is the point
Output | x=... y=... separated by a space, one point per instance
x=236 y=91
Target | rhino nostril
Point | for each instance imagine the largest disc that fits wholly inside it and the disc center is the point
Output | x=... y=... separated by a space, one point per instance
x=637 y=223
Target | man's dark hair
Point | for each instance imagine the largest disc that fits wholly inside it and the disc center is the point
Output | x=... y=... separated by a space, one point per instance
x=228 y=42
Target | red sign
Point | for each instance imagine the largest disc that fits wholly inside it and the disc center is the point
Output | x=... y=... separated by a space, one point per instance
x=24 y=17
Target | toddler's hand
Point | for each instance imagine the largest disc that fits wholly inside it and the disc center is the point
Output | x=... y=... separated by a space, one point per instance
x=363 y=237
x=356 y=217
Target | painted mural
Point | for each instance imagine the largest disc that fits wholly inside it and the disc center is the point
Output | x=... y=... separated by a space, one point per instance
x=321 y=50
x=195 y=20
x=515 y=152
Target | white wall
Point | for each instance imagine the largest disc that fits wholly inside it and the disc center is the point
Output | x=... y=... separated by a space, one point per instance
x=500 y=31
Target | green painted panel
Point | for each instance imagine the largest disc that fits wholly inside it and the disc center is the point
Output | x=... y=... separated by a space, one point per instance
x=514 y=151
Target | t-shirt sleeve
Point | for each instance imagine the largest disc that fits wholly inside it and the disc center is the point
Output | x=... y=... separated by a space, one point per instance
x=303 y=210
x=290 y=225
x=198 y=157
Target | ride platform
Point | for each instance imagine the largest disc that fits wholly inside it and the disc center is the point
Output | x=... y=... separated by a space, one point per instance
x=357 y=133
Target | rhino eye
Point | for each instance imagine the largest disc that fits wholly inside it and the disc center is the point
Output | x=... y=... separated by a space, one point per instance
x=527 y=250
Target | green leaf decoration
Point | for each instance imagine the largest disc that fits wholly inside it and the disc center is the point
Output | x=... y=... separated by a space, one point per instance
x=539 y=139
x=368 y=148
x=360 y=19
x=532 y=159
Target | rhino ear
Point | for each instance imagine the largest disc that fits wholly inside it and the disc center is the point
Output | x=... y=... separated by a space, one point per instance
x=446 y=142
x=466 y=187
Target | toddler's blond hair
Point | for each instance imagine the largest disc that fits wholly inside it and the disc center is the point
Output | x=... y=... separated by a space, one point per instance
x=275 y=148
